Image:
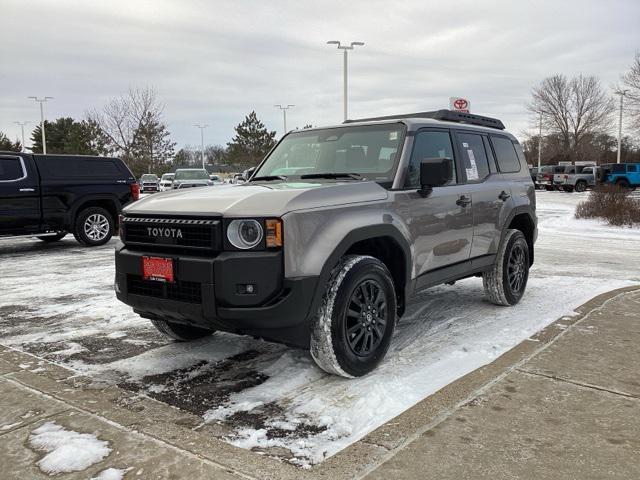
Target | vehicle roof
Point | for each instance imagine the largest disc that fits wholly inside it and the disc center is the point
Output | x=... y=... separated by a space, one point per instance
x=416 y=123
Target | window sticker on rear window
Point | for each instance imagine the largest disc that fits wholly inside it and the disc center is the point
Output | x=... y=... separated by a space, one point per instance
x=393 y=135
x=472 y=173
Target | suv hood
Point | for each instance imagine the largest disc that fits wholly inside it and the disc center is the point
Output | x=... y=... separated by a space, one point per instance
x=256 y=200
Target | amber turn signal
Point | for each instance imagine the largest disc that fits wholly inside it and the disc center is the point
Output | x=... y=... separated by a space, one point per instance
x=274 y=232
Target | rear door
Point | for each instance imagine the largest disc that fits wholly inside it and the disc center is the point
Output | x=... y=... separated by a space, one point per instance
x=441 y=224
x=487 y=187
x=19 y=195
x=633 y=173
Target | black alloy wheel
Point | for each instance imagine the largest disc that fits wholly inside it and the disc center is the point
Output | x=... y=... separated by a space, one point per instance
x=366 y=318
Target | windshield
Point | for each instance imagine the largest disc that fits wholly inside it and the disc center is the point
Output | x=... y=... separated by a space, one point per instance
x=167 y=176
x=148 y=178
x=370 y=151
x=192 y=175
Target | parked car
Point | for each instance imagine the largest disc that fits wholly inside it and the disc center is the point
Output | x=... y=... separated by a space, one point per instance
x=149 y=183
x=191 y=177
x=49 y=196
x=533 y=171
x=624 y=175
x=166 y=181
x=578 y=178
x=323 y=251
x=545 y=176
x=215 y=179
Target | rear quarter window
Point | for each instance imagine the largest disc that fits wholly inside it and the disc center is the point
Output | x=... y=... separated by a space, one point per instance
x=79 y=167
x=506 y=154
x=10 y=169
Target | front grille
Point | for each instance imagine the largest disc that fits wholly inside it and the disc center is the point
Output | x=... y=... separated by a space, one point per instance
x=181 y=291
x=196 y=234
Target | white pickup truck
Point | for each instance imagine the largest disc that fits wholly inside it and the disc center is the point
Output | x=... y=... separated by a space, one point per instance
x=576 y=178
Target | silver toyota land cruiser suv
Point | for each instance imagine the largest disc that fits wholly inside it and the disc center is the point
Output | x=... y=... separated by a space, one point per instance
x=333 y=234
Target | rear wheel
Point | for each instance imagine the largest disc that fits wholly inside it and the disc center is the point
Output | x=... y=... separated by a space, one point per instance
x=352 y=330
x=567 y=189
x=623 y=184
x=506 y=282
x=581 y=186
x=180 y=332
x=94 y=226
x=52 y=238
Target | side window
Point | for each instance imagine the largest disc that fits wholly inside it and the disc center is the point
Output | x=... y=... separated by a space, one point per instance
x=429 y=144
x=506 y=154
x=474 y=156
x=10 y=169
x=618 y=168
x=632 y=168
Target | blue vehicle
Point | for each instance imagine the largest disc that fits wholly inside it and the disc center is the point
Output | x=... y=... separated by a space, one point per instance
x=624 y=175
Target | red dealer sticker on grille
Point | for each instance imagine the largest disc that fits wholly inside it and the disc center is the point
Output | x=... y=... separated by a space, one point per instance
x=156 y=268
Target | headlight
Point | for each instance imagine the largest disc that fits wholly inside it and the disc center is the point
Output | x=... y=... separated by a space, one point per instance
x=244 y=234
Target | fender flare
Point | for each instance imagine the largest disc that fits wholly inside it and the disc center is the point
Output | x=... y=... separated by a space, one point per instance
x=77 y=205
x=519 y=210
x=355 y=236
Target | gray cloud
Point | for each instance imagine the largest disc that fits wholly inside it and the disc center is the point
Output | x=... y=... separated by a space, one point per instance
x=214 y=61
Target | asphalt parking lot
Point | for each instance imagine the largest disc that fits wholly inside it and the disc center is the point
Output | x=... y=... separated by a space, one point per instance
x=58 y=305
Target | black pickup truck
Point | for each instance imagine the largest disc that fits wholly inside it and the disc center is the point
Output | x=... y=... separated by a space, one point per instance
x=48 y=196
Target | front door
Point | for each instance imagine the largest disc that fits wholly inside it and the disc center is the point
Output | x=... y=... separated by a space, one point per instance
x=440 y=224
x=19 y=195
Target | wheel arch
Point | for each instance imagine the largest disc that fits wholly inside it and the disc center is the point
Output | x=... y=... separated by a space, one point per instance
x=110 y=203
x=523 y=219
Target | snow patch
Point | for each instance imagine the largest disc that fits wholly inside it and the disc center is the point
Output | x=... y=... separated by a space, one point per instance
x=67 y=450
x=111 y=474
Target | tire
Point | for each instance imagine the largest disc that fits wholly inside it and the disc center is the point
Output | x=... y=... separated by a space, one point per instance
x=506 y=282
x=623 y=184
x=352 y=329
x=567 y=189
x=548 y=188
x=53 y=238
x=581 y=186
x=94 y=226
x=180 y=332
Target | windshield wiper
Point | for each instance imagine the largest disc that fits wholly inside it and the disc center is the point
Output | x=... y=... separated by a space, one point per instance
x=268 y=178
x=354 y=176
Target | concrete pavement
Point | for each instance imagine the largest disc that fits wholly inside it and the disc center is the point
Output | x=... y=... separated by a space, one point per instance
x=563 y=404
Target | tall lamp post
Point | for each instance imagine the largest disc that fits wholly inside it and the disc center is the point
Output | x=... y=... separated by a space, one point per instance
x=201 y=127
x=22 y=124
x=41 y=101
x=345 y=49
x=284 y=109
x=622 y=93
x=540 y=144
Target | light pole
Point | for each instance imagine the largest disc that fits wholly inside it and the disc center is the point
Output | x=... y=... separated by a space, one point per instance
x=284 y=109
x=41 y=101
x=345 y=49
x=622 y=93
x=540 y=144
x=201 y=127
x=22 y=124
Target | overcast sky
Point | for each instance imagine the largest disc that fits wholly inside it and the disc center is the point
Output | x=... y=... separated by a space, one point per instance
x=214 y=61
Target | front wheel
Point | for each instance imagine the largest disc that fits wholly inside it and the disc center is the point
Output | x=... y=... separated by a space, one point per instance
x=94 y=226
x=506 y=282
x=180 y=332
x=352 y=330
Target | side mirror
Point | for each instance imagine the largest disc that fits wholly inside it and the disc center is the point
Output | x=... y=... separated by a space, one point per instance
x=434 y=172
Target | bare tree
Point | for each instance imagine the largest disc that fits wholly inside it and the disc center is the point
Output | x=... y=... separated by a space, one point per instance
x=122 y=118
x=631 y=82
x=573 y=109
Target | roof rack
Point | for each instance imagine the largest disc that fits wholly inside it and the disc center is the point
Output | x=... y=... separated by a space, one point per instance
x=446 y=115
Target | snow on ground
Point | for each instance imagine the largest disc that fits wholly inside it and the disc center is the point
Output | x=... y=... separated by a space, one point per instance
x=58 y=303
x=66 y=450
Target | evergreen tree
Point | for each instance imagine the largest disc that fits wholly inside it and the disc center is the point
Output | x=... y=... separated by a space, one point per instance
x=251 y=142
x=151 y=147
x=9 y=146
x=66 y=135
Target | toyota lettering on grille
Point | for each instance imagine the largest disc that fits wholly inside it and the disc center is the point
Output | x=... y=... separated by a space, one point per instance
x=164 y=232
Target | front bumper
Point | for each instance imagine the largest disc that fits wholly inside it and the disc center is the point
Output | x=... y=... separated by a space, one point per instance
x=205 y=294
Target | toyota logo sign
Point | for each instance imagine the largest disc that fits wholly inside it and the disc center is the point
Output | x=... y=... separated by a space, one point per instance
x=459 y=104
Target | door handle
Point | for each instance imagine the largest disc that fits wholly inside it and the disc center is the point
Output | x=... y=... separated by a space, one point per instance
x=463 y=201
x=27 y=190
x=504 y=196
